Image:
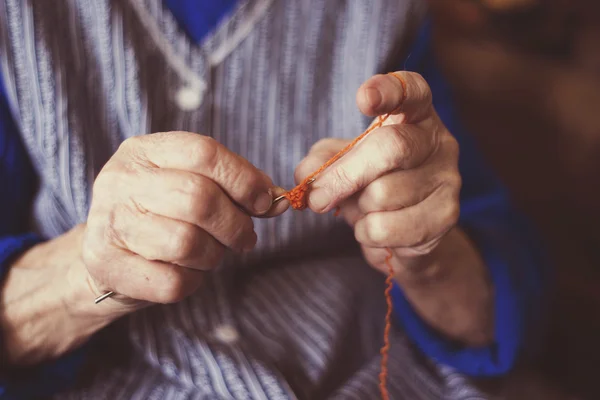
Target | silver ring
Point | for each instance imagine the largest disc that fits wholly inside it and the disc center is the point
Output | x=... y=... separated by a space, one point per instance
x=104 y=297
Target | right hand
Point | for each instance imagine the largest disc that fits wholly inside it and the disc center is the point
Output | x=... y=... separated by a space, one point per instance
x=164 y=209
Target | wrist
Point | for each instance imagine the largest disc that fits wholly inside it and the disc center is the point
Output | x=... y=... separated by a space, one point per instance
x=450 y=289
x=81 y=291
x=78 y=300
x=60 y=262
x=440 y=266
x=423 y=270
x=44 y=309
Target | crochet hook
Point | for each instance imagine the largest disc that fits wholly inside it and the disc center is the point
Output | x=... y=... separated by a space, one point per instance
x=275 y=201
x=279 y=198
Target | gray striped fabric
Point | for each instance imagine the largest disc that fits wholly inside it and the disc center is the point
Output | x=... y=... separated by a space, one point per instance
x=302 y=316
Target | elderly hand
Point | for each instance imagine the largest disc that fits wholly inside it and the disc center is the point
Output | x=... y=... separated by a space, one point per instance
x=399 y=187
x=164 y=209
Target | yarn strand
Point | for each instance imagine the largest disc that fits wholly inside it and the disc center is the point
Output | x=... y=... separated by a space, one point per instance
x=298 y=200
x=297 y=196
x=389 y=282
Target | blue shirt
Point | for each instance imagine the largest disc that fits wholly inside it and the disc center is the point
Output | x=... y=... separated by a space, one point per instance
x=502 y=235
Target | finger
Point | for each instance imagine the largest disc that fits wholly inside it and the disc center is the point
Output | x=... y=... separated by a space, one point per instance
x=401 y=92
x=386 y=149
x=402 y=189
x=318 y=154
x=157 y=238
x=197 y=200
x=379 y=258
x=140 y=279
x=350 y=211
x=277 y=208
x=411 y=227
x=243 y=182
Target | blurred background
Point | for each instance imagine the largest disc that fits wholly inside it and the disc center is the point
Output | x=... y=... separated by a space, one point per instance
x=527 y=78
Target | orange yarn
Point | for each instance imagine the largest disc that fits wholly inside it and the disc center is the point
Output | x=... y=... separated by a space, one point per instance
x=388 y=326
x=298 y=201
x=297 y=196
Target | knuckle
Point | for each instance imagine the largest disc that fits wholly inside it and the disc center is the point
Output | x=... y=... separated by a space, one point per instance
x=109 y=230
x=129 y=143
x=193 y=186
x=205 y=152
x=419 y=87
x=343 y=181
x=398 y=147
x=173 y=287
x=379 y=194
x=201 y=201
x=376 y=228
x=452 y=144
x=93 y=254
x=133 y=147
x=115 y=179
x=182 y=242
x=454 y=180
x=197 y=197
x=450 y=215
x=450 y=181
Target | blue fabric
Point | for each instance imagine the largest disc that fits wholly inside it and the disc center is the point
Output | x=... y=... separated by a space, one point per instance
x=486 y=215
x=504 y=238
x=17 y=178
x=198 y=18
x=45 y=379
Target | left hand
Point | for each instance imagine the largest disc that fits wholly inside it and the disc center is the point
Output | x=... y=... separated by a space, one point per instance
x=399 y=187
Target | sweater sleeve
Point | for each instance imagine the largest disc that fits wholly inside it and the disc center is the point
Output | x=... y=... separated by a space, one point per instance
x=504 y=238
x=17 y=185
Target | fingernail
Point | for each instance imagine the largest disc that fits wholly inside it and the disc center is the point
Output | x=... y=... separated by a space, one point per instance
x=318 y=199
x=277 y=192
x=263 y=202
x=373 y=97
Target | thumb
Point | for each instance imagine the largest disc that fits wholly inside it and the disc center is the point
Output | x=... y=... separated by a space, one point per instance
x=279 y=207
x=276 y=208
